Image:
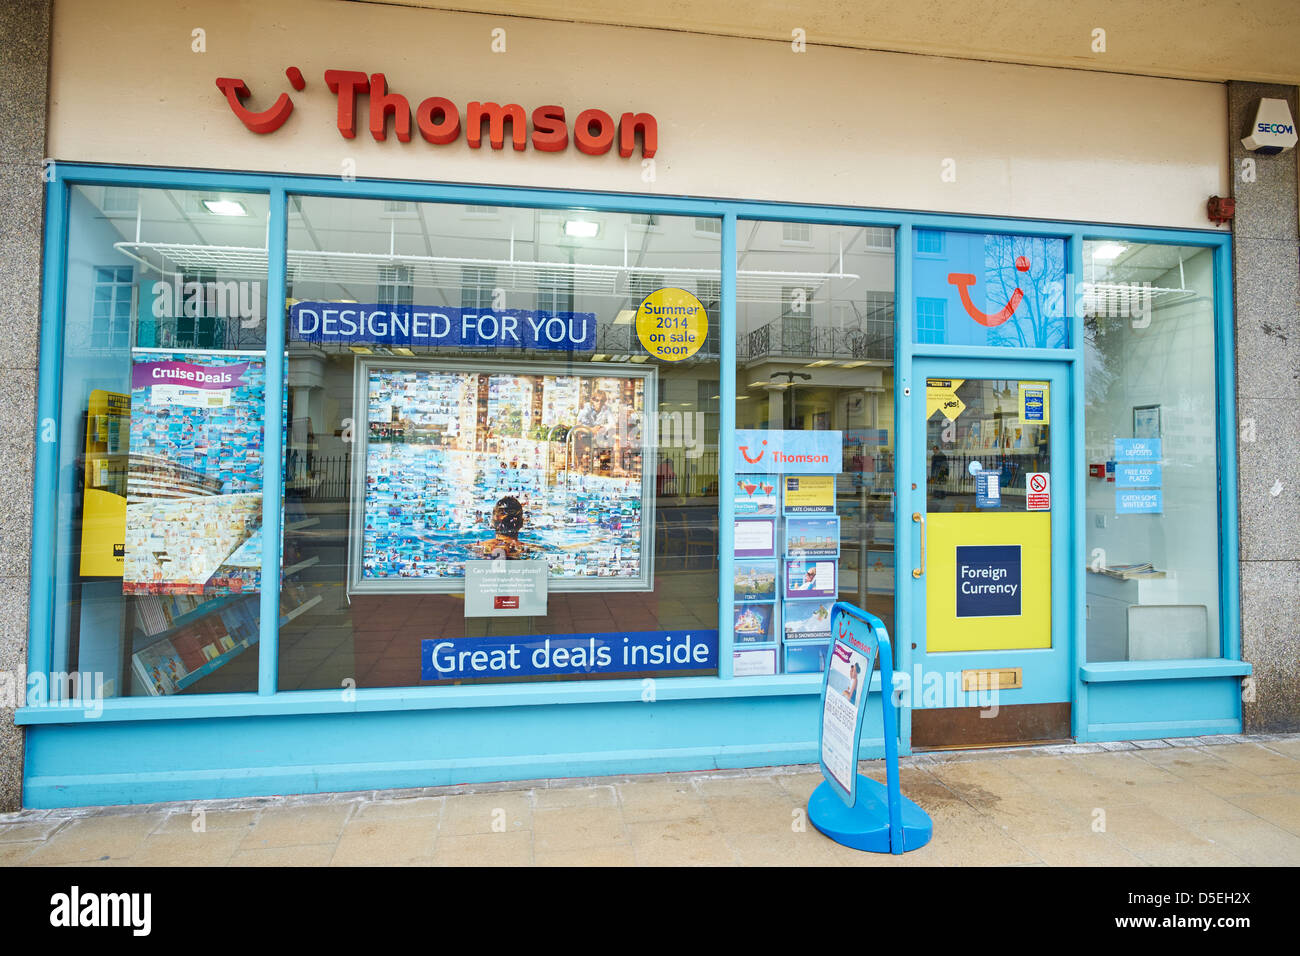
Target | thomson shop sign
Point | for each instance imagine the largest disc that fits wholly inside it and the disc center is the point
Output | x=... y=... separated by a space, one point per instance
x=422 y=326
x=789 y=452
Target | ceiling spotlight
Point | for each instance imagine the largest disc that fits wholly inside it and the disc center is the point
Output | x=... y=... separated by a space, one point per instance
x=581 y=229
x=225 y=207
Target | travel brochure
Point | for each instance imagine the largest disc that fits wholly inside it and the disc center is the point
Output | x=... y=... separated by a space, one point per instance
x=792 y=519
x=466 y=465
x=195 y=471
x=754 y=623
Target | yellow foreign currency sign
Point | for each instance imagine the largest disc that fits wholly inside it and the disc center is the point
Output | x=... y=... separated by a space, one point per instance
x=671 y=324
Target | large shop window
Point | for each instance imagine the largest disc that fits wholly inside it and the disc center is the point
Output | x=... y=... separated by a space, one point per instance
x=489 y=476
x=158 y=560
x=814 y=490
x=1152 y=450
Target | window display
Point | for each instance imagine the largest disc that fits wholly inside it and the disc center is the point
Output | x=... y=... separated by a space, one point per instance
x=459 y=465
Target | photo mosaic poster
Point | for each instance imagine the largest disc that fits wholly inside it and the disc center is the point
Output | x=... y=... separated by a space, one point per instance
x=470 y=465
x=194 y=479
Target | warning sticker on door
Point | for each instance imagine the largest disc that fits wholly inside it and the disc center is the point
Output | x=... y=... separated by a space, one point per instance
x=1038 y=491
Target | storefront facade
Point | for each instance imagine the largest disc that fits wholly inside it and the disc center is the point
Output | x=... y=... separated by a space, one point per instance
x=1007 y=427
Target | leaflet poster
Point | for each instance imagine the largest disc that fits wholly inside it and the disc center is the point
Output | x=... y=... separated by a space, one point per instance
x=460 y=464
x=809 y=494
x=847 y=679
x=756 y=495
x=194 y=478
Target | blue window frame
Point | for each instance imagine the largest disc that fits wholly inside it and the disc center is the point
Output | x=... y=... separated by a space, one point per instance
x=929 y=229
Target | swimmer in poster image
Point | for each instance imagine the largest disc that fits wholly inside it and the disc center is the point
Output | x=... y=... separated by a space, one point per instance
x=507 y=521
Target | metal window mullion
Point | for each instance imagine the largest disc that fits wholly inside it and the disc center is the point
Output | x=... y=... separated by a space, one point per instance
x=273 y=442
x=726 y=447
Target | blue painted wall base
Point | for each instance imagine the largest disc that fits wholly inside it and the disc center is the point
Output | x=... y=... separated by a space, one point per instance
x=865 y=826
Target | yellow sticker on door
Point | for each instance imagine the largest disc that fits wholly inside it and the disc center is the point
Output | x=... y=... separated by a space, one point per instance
x=988 y=582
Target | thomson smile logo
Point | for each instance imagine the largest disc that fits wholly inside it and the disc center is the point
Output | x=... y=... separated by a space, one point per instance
x=76 y=909
x=744 y=450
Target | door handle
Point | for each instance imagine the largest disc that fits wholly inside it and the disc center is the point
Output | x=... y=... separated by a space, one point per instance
x=920 y=519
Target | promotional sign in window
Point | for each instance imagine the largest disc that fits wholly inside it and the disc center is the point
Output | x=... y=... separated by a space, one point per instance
x=194 y=479
x=427 y=326
x=587 y=655
x=990 y=581
x=790 y=452
x=809 y=494
x=1137 y=476
x=756 y=495
x=812 y=537
x=505 y=588
x=458 y=463
x=811 y=579
x=755 y=537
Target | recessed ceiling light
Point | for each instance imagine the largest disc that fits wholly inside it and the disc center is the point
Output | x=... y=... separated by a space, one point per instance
x=1108 y=251
x=600 y=357
x=225 y=207
x=581 y=228
x=625 y=317
x=640 y=358
x=852 y=364
x=818 y=364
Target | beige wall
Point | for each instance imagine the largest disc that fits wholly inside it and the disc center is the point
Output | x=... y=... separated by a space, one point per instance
x=738 y=118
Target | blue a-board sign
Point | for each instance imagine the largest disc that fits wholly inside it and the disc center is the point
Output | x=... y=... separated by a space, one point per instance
x=848 y=807
x=1137 y=449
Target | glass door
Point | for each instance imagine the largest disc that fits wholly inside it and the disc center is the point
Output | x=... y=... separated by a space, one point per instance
x=990 y=586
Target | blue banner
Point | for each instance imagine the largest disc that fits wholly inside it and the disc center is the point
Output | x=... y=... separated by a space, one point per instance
x=535 y=655
x=1137 y=449
x=789 y=452
x=1130 y=474
x=427 y=326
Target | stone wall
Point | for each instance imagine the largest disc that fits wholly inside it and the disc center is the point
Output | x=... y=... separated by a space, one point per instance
x=1266 y=286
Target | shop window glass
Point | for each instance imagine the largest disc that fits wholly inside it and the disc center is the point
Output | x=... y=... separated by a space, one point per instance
x=929 y=242
x=510 y=410
x=815 y=334
x=159 y=492
x=1152 y=450
x=998 y=290
x=931 y=320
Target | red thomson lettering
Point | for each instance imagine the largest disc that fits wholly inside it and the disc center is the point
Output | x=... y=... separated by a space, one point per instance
x=439 y=120
x=628 y=125
x=347 y=84
x=496 y=116
x=594 y=144
x=382 y=105
x=435 y=130
x=550 y=135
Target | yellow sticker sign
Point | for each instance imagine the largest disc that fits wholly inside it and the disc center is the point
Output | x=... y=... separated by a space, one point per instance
x=1035 y=401
x=941 y=396
x=671 y=324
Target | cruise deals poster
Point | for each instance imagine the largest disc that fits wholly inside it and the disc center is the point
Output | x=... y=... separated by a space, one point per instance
x=195 y=472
